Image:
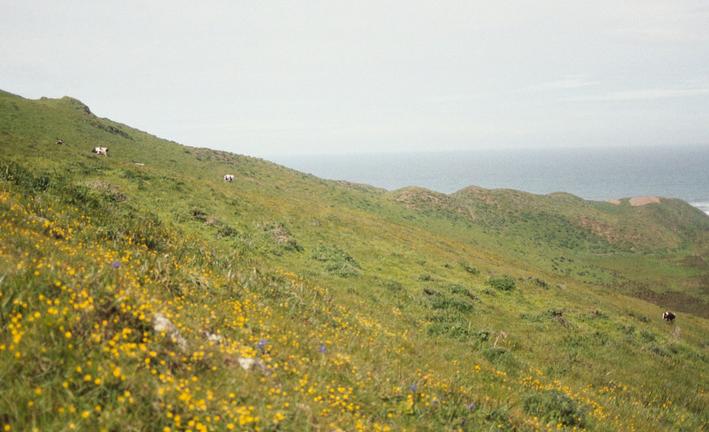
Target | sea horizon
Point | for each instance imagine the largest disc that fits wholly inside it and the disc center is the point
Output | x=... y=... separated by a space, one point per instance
x=591 y=173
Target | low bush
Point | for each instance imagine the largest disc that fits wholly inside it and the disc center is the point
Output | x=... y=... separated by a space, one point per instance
x=461 y=290
x=503 y=358
x=342 y=269
x=540 y=283
x=226 y=231
x=502 y=283
x=470 y=268
x=15 y=173
x=198 y=214
x=455 y=330
x=495 y=354
x=283 y=237
x=557 y=407
x=337 y=261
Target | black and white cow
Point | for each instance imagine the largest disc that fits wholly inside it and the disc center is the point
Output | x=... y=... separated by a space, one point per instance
x=228 y=177
x=100 y=151
x=668 y=316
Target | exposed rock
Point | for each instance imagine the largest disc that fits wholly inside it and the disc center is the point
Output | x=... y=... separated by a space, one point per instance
x=280 y=234
x=213 y=221
x=77 y=104
x=213 y=338
x=161 y=324
x=104 y=126
x=250 y=363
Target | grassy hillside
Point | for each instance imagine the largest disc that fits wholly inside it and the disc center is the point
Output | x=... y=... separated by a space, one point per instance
x=654 y=251
x=139 y=291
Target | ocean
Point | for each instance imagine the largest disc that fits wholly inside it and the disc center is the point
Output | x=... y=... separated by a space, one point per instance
x=591 y=173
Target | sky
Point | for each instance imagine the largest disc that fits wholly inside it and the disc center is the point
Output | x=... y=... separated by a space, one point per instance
x=292 y=77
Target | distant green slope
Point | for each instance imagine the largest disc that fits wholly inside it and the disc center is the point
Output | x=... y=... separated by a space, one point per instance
x=653 y=251
x=140 y=291
x=570 y=221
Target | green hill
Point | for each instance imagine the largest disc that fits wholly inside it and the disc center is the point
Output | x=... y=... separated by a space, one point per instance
x=140 y=291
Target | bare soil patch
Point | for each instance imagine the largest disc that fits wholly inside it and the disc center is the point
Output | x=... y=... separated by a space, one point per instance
x=644 y=200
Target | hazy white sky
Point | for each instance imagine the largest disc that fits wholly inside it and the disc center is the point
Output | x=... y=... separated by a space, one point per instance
x=275 y=77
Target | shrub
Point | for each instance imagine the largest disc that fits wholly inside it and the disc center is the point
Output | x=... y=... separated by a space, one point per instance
x=226 y=231
x=337 y=261
x=461 y=290
x=540 y=283
x=503 y=283
x=108 y=190
x=283 y=237
x=19 y=175
x=454 y=330
x=199 y=214
x=495 y=354
x=503 y=358
x=430 y=292
x=470 y=268
x=342 y=269
x=458 y=289
x=143 y=228
x=555 y=406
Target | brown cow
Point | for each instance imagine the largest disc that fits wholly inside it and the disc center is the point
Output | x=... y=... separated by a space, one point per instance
x=668 y=316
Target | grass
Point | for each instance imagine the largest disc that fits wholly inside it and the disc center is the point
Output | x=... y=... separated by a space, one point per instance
x=359 y=309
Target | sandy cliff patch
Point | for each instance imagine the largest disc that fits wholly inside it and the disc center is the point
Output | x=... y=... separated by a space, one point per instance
x=644 y=200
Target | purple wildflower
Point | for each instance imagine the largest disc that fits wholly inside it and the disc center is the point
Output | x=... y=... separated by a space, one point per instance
x=115 y=264
x=413 y=387
x=322 y=349
x=262 y=344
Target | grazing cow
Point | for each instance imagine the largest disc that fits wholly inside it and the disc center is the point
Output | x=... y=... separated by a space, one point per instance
x=100 y=151
x=228 y=177
x=668 y=316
